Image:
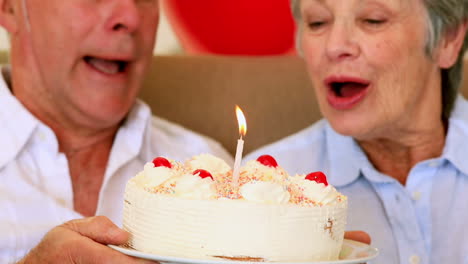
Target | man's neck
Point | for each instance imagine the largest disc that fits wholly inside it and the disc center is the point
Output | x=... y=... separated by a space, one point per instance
x=87 y=161
x=87 y=154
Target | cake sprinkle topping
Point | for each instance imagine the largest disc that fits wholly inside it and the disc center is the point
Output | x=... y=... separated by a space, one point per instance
x=260 y=181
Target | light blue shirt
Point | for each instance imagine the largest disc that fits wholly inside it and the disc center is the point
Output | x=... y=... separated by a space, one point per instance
x=425 y=221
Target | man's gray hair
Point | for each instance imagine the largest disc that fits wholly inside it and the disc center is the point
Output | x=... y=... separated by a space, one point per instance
x=444 y=16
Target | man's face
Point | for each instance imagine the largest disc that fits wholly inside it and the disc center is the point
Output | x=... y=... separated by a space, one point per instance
x=89 y=56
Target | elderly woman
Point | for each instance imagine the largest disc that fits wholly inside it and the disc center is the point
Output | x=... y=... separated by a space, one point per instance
x=395 y=134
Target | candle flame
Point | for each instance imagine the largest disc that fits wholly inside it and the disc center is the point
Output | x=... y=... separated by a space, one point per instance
x=241 y=121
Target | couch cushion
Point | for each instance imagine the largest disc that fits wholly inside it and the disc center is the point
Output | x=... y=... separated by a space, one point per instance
x=200 y=92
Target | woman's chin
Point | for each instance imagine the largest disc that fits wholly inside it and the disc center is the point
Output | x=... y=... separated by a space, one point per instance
x=353 y=127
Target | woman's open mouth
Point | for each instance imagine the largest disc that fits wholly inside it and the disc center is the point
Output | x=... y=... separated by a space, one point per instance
x=345 y=92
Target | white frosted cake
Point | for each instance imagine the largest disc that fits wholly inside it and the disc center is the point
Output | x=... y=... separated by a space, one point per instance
x=192 y=210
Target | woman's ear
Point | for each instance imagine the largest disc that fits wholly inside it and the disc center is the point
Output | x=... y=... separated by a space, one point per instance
x=450 y=46
x=8 y=15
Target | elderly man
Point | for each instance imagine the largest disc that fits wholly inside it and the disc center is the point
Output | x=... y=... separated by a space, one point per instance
x=394 y=138
x=72 y=130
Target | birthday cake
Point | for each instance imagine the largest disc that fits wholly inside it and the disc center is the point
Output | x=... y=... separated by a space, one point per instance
x=196 y=210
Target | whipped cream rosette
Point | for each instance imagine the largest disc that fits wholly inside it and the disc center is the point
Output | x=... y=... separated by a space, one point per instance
x=191 y=210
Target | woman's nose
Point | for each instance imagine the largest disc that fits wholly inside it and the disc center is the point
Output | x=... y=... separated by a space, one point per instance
x=341 y=43
x=125 y=16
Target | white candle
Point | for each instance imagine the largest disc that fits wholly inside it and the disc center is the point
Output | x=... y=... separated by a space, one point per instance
x=237 y=162
x=240 y=146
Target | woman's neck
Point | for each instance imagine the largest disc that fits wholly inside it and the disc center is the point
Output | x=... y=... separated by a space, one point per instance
x=397 y=155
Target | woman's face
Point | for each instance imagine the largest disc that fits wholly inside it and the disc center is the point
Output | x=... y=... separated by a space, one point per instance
x=368 y=64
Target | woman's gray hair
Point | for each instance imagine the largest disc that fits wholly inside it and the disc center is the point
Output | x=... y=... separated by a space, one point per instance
x=444 y=16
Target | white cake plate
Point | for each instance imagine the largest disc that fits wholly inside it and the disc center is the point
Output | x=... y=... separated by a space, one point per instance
x=352 y=252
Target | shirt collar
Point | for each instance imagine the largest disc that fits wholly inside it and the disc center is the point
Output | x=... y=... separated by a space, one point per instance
x=456 y=143
x=129 y=140
x=17 y=123
x=348 y=161
x=18 y=126
x=343 y=156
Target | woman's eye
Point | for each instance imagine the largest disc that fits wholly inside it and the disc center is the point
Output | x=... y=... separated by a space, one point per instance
x=374 y=22
x=316 y=24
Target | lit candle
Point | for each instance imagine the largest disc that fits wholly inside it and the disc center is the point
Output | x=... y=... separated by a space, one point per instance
x=240 y=145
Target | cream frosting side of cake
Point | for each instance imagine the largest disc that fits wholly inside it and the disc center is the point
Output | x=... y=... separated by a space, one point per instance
x=204 y=229
x=273 y=217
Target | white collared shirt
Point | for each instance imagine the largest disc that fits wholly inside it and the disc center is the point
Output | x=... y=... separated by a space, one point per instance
x=35 y=186
x=420 y=223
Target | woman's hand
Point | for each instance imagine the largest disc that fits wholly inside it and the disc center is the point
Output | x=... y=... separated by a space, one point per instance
x=360 y=236
x=82 y=241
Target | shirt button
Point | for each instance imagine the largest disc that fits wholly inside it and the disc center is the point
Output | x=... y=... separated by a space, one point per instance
x=416 y=195
x=414 y=259
x=62 y=202
x=433 y=164
x=42 y=136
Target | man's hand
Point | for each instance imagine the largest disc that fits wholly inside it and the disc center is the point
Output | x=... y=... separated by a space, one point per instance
x=360 y=236
x=81 y=241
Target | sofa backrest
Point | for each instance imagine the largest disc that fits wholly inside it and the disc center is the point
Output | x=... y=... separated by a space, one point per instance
x=200 y=93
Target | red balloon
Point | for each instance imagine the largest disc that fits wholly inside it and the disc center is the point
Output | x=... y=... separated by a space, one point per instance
x=240 y=27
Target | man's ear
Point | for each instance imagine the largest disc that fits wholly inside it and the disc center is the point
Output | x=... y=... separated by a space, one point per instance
x=450 y=46
x=8 y=15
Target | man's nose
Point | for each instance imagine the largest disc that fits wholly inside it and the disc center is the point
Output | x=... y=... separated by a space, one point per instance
x=125 y=16
x=341 y=42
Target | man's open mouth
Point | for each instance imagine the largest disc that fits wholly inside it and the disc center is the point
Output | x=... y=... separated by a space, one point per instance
x=107 y=66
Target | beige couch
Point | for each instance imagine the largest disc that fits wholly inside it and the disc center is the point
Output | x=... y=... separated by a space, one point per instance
x=200 y=92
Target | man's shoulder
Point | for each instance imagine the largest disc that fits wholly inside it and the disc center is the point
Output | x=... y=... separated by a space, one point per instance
x=300 y=151
x=177 y=133
x=178 y=141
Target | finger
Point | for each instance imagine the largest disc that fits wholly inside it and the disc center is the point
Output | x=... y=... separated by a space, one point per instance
x=99 y=229
x=101 y=254
x=360 y=236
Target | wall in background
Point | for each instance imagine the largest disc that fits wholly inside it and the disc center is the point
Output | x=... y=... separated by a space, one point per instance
x=4 y=44
x=166 y=41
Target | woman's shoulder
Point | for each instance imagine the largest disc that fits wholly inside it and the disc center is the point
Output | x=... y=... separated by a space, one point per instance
x=299 y=152
x=460 y=109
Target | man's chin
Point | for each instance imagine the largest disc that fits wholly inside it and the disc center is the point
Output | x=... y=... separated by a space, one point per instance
x=104 y=116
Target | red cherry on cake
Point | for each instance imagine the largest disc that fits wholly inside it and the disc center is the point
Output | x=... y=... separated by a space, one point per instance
x=203 y=174
x=317 y=176
x=267 y=160
x=160 y=161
